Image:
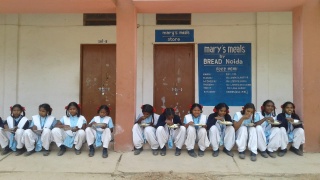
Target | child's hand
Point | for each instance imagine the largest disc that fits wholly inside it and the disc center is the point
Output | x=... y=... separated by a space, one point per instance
x=290 y=120
x=75 y=129
x=246 y=116
x=66 y=127
x=169 y=122
x=141 y=119
x=104 y=126
x=191 y=123
x=14 y=129
x=219 y=118
x=34 y=128
x=270 y=119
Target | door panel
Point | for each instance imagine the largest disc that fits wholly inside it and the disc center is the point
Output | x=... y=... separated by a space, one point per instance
x=97 y=78
x=174 y=77
x=184 y=80
x=163 y=77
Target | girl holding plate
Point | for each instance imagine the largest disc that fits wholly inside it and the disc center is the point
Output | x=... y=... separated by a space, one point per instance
x=143 y=130
x=291 y=129
x=69 y=130
x=169 y=130
x=221 y=131
x=99 y=131
x=195 y=123
x=267 y=130
x=39 y=135
x=246 y=133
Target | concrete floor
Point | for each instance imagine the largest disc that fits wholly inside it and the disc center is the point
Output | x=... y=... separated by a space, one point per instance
x=146 y=166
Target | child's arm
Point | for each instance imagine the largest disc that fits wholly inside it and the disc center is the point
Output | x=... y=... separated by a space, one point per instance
x=161 y=121
x=187 y=124
x=59 y=124
x=5 y=125
x=92 y=122
x=263 y=120
x=141 y=118
x=84 y=125
x=32 y=126
x=237 y=124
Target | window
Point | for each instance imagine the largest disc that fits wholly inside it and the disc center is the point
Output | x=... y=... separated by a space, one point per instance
x=173 y=19
x=99 y=19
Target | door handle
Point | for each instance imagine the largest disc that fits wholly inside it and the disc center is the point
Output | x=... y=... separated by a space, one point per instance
x=176 y=90
x=103 y=90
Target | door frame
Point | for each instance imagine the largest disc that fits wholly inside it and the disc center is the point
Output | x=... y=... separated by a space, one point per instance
x=193 y=65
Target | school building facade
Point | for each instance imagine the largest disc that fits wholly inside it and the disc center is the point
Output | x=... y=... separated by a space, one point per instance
x=47 y=54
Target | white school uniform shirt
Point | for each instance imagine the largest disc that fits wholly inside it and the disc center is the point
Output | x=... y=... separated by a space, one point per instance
x=265 y=125
x=73 y=121
x=237 y=116
x=21 y=123
x=43 y=122
x=107 y=120
x=148 y=120
x=202 y=119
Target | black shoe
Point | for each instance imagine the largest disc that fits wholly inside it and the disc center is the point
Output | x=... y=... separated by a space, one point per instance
x=20 y=151
x=137 y=151
x=163 y=151
x=253 y=156
x=6 y=150
x=215 y=153
x=105 y=152
x=282 y=152
x=46 y=152
x=91 y=151
x=296 y=151
x=28 y=153
x=77 y=151
x=178 y=152
x=264 y=154
x=229 y=153
x=192 y=153
x=200 y=153
x=62 y=150
x=242 y=155
x=155 y=152
x=271 y=154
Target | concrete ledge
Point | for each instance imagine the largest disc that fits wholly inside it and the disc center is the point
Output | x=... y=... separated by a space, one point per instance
x=146 y=166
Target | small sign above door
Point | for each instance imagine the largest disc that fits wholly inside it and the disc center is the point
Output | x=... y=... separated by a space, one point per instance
x=174 y=35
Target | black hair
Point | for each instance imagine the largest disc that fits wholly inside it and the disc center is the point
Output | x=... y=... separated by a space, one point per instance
x=46 y=107
x=284 y=105
x=20 y=107
x=168 y=112
x=220 y=106
x=105 y=107
x=249 y=105
x=75 y=105
x=149 y=109
x=194 y=106
x=263 y=108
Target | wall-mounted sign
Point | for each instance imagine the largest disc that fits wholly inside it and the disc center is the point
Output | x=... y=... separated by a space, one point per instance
x=102 y=41
x=224 y=73
x=174 y=35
